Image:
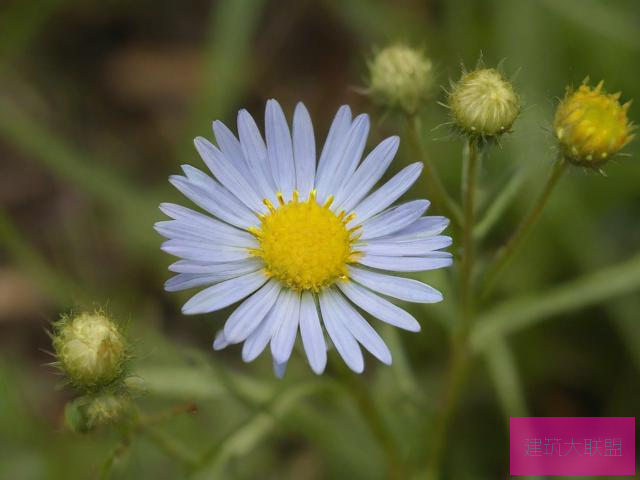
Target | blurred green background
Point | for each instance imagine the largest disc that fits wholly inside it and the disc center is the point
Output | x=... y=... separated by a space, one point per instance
x=99 y=102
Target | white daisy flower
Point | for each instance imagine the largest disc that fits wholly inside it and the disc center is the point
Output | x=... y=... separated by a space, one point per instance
x=302 y=243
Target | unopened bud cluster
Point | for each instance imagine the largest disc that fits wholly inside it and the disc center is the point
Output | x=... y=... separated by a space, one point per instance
x=92 y=353
x=400 y=77
x=483 y=103
x=591 y=125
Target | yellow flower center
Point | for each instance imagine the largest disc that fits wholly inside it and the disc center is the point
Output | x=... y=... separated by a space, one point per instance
x=592 y=125
x=304 y=244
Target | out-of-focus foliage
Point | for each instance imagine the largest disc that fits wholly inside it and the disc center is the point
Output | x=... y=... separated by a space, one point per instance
x=99 y=102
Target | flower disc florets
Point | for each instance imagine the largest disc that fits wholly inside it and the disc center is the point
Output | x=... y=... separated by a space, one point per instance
x=400 y=78
x=90 y=349
x=304 y=244
x=483 y=103
x=591 y=125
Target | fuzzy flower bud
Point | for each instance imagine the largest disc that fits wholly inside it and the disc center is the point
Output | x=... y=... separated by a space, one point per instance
x=90 y=349
x=400 y=78
x=85 y=414
x=591 y=125
x=483 y=103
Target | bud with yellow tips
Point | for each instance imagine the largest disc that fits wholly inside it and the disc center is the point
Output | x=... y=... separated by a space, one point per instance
x=591 y=125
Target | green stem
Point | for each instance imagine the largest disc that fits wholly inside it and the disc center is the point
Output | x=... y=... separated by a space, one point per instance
x=145 y=425
x=436 y=188
x=118 y=451
x=170 y=447
x=160 y=417
x=467 y=258
x=507 y=253
x=459 y=342
x=356 y=386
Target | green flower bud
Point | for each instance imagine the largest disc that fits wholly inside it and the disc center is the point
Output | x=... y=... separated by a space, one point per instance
x=90 y=350
x=483 y=103
x=88 y=413
x=400 y=78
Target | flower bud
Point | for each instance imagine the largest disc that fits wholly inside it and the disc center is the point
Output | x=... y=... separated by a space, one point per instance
x=400 y=78
x=591 y=125
x=85 y=414
x=90 y=350
x=483 y=103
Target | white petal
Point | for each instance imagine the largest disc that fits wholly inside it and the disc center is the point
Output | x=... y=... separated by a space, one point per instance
x=231 y=150
x=379 y=307
x=407 y=264
x=311 y=333
x=244 y=320
x=255 y=153
x=421 y=228
x=279 y=369
x=184 y=281
x=220 y=341
x=342 y=338
x=216 y=200
x=333 y=145
x=224 y=294
x=346 y=158
x=393 y=219
x=395 y=248
x=280 y=148
x=241 y=267
x=361 y=330
x=367 y=174
x=304 y=150
x=401 y=288
x=284 y=338
x=229 y=175
x=204 y=251
x=258 y=340
x=204 y=224
x=227 y=235
x=388 y=193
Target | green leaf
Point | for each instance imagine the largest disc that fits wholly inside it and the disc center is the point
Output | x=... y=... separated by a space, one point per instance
x=515 y=315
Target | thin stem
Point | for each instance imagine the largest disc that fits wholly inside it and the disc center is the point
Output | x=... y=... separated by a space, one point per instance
x=356 y=386
x=170 y=446
x=437 y=191
x=508 y=252
x=117 y=452
x=145 y=425
x=468 y=200
x=160 y=417
x=459 y=342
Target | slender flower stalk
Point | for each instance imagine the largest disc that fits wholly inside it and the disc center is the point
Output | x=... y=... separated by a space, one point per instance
x=471 y=174
x=359 y=390
x=459 y=355
x=440 y=196
x=508 y=252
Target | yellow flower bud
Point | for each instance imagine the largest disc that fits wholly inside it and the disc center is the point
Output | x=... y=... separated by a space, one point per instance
x=400 y=78
x=483 y=103
x=591 y=125
x=90 y=349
